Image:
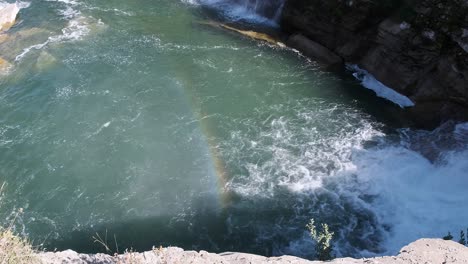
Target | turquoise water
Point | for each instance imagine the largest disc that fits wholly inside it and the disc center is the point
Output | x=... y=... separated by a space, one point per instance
x=136 y=119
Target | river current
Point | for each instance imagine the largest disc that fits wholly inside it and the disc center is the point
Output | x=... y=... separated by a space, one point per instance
x=139 y=121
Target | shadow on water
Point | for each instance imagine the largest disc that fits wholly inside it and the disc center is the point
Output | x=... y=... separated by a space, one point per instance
x=255 y=225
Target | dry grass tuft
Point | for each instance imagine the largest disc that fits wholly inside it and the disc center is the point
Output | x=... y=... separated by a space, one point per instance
x=15 y=249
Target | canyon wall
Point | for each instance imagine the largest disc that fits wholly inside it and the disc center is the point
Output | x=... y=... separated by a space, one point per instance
x=418 y=48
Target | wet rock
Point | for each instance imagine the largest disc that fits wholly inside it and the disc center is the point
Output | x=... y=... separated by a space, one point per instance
x=418 y=48
x=316 y=51
x=8 y=16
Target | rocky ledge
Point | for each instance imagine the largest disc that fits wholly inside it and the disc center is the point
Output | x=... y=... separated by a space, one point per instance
x=418 y=48
x=8 y=15
x=422 y=251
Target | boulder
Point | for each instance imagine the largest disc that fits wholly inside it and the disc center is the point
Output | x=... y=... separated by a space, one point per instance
x=8 y=16
x=315 y=51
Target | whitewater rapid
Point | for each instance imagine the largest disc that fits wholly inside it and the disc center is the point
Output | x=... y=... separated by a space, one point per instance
x=377 y=191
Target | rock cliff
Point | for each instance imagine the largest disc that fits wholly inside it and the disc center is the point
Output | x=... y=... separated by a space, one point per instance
x=418 y=48
x=422 y=251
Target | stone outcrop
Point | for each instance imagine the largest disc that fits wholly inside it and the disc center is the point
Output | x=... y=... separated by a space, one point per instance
x=315 y=50
x=418 y=48
x=8 y=16
x=422 y=251
x=248 y=33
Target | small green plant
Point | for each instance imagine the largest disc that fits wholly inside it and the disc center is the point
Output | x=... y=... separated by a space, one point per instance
x=462 y=238
x=448 y=236
x=322 y=238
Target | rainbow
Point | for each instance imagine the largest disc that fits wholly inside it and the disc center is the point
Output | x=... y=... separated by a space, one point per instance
x=218 y=167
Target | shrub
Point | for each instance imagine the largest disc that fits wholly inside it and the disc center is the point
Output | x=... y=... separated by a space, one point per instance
x=448 y=237
x=462 y=238
x=322 y=238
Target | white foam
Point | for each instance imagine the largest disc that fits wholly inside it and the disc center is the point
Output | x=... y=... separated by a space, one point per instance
x=77 y=27
x=103 y=126
x=69 y=11
x=385 y=193
x=28 y=49
x=23 y=4
x=191 y=2
x=68 y=2
x=75 y=30
x=368 y=81
x=19 y=4
x=461 y=133
x=414 y=197
x=113 y=10
x=302 y=171
x=236 y=12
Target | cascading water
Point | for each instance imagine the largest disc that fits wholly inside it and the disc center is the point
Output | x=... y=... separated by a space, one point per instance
x=267 y=8
x=258 y=11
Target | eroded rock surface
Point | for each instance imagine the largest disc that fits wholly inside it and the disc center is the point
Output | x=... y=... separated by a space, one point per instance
x=422 y=251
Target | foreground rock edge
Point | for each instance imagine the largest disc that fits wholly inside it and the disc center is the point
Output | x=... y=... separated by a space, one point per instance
x=421 y=251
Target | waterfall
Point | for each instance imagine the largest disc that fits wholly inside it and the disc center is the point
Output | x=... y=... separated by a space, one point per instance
x=258 y=10
x=270 y=9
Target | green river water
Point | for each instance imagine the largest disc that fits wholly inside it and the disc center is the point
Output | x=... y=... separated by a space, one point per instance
x=133 y=118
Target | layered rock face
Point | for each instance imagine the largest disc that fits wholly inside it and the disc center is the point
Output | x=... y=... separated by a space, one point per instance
x=418 y=48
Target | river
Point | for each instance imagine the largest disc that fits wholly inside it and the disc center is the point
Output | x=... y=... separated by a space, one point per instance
x=137 y=121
